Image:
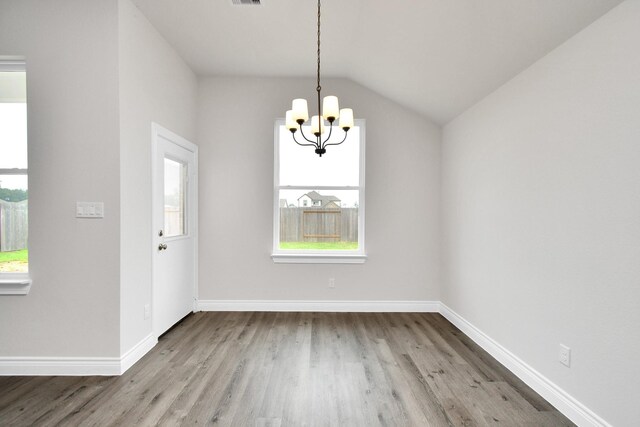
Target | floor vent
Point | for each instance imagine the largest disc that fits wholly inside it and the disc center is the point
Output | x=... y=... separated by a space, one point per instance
x=246 y=2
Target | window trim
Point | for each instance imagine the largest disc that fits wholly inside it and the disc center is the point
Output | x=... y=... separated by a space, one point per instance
x=12 y=64
x=14 y=283
x=325 y=257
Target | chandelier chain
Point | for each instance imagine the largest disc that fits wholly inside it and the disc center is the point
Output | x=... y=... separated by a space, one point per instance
x=318 y=88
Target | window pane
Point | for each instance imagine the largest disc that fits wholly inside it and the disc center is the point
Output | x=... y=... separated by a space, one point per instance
x=14 y=215
x=174 y=198
x=319 y=220
x=13 y=120
x=339 y=166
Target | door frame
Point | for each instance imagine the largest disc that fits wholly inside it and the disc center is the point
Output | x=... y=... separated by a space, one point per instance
x=158 y=131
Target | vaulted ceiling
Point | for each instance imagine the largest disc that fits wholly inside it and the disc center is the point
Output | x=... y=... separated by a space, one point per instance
x=437 y=57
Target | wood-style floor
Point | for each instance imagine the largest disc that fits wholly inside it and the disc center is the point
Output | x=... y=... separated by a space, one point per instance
x=292 y=369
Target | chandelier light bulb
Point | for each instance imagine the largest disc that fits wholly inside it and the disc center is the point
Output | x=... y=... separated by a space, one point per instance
x=346 y=118
x=330 y=108
x=290 y=123
x=300 y=110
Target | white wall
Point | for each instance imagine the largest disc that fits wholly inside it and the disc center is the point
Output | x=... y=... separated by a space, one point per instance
x=235 y=134
x=541 y=214
x=155 y=86
x=71 y=50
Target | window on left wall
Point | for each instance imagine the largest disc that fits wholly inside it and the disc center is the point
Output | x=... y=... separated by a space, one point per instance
x=14 y=172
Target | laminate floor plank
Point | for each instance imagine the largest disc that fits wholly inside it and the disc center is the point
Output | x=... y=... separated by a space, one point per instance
x=406 y=344
x=263 y=354
x=203 y=360
x=227 y=371
x=68 y=400
x=299 y=397
x=292 y=369
x=18 y=387
x=30 y=408
x=479 y=358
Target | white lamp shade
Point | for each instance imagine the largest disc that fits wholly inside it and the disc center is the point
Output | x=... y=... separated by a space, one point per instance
x=300 y=110
x=330 y=107
x=317 y=124
x=289 y=122
x=346 y=118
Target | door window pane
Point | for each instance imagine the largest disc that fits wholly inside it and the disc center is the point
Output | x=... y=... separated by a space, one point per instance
x=174 y=198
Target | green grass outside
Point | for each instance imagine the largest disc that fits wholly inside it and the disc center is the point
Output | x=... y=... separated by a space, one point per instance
x=13 y=256
x=324 y=246
x=14 y=261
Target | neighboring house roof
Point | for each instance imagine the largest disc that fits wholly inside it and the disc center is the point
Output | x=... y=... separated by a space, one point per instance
x=324 y=200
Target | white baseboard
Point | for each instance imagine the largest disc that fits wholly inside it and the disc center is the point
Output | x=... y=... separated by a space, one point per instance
x=137 y=352
x=76 y=366
x=560 y=399
x=320 y=306
x=60 y=366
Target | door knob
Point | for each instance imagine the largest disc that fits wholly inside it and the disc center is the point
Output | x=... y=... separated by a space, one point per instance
x=162 y=247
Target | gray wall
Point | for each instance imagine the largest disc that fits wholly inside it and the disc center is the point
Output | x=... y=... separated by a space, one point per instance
x=542 y=215
x=235 y=136
x=155 y=86
x=98 y=75
x=71 y=50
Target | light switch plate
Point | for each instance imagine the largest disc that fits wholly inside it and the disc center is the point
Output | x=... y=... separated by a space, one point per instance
x=89 y=210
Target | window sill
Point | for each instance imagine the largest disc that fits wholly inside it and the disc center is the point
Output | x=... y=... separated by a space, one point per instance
x=14 y=284
x=318 y=258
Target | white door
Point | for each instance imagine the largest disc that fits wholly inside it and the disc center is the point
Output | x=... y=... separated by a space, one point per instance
x=174 y=228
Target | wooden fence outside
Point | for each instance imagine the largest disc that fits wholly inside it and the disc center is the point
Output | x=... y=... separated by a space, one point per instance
x=13 y=225
x=318 y=225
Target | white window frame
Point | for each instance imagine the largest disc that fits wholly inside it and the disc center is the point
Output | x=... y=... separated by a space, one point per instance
x=14 y=283
x=317 y=257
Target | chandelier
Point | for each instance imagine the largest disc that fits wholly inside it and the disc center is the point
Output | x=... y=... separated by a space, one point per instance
x=330 y=111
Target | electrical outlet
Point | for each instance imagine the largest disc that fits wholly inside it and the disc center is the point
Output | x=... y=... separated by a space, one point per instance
x=332 y=282
x=147 y=311
x=565 y=355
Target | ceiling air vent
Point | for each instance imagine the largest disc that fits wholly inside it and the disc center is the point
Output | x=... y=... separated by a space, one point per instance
x=246 y=2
